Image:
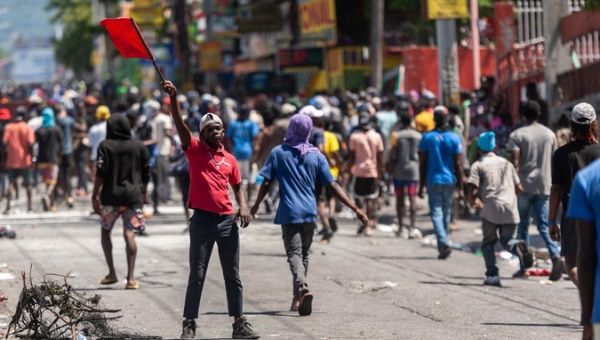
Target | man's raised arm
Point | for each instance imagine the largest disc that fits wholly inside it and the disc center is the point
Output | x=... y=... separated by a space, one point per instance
x=184 y=133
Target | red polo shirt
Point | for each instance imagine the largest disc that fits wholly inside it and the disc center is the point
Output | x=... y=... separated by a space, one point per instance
x=211 y=173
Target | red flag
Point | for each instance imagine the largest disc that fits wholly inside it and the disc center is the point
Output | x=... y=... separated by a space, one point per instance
x=126 y=37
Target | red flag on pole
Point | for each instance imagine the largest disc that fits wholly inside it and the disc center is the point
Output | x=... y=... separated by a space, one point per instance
x=128 y=40
x=125 y=37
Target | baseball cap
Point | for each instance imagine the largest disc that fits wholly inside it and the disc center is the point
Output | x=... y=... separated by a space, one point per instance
x=209 y=119
x=311 y=111
x=487 y=141
x=102 y=112
x=364 y=119
x=583 y=113
x=440 y=109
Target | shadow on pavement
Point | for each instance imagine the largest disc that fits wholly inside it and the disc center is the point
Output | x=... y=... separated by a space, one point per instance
x=512 y=324
x=271 y=313
x=462 y=284
x=405 y=258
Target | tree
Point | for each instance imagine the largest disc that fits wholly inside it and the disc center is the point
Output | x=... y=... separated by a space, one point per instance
x=75 y=47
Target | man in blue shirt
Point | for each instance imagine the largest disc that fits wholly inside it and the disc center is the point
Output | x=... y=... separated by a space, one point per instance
x=440 y=165
x=298 y=166
x=585 y=212
x=242 y=132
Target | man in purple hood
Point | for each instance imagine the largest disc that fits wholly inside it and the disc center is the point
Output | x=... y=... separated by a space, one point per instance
x=298 y=167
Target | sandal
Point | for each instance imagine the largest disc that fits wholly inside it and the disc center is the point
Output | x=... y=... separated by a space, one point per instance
x=109 y=280
x=132 y=285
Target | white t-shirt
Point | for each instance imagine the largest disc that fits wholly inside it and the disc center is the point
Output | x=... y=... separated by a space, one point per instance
x=160 y=125
x=96 y=135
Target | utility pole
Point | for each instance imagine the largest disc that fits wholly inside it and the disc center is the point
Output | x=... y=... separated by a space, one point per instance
x=208 y=12
x=447 y=61
x=376 y=53
x=556 y=53
x=475 y=39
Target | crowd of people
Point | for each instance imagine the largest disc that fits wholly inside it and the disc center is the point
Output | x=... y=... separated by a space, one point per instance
x=299 y=156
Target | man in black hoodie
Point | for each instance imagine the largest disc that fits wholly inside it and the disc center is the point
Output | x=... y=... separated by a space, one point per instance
x=122 y=174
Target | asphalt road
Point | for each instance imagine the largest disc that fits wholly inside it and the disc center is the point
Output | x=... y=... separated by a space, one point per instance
x=379 y=287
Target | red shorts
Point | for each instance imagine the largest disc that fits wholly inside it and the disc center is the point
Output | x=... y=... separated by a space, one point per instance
x=403 y=187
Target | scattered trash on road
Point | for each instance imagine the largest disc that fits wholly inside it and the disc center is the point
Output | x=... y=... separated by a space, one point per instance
x=362 y=287
x=52 y=310
x=8 y=232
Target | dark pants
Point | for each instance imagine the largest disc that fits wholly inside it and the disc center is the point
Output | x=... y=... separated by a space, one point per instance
x=160 y=179
x=297 y=239
x=490 y=237
x=64 y=175
x=205 y=229
x=81 y=166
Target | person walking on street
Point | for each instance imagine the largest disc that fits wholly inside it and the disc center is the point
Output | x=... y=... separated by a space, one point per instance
x=366 y=163
x=97 y=134
x=242 y=133
x=66 y=123
x=404 y=168
x=566 y=162
x=493 y=186
x=19 y=139
x=162 y=131
x=50 y=144
x=122 y=176
x=212 y=170
x=531 y=147
x=584 y=212
x=441 y=170
x=299 y=166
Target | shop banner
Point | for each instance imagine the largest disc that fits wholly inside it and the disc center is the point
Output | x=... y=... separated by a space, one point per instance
x=210 y=56
x=447 y=9
x=318 y=21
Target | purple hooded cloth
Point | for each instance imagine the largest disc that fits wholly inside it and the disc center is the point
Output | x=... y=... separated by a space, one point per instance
x=298 y=133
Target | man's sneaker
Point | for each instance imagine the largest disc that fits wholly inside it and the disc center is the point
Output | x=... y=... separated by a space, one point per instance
x=188 y=329
x=524 y=254
x=305 y=303
x=444 y=253
x=326 y=238
x=415 y=234
x=520 y=274
x=295 y=304
x=557 y=269
x=492 y=281
x=242 y=329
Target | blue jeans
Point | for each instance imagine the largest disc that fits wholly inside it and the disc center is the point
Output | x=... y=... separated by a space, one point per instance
x=440 y=209
x=536 y=205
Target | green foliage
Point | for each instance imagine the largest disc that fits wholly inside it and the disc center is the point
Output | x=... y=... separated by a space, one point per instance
x=75 y=47
x=592 y=4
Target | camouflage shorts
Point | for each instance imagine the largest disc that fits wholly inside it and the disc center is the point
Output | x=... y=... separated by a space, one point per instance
x=133 y=219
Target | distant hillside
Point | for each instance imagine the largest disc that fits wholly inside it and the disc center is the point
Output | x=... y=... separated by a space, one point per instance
x=26 y=17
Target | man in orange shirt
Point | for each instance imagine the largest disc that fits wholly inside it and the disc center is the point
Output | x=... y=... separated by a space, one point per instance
x=19 y=139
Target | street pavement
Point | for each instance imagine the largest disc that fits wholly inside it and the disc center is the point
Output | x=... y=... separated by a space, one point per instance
x=379 y=287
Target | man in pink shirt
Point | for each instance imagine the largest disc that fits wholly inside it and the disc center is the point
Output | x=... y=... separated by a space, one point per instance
x=19 y=139
x=366 y=162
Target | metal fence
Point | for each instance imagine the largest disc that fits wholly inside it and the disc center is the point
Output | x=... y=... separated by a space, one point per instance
x=530 y=21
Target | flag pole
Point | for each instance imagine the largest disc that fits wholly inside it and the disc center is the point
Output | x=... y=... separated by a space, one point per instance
x=139 y=33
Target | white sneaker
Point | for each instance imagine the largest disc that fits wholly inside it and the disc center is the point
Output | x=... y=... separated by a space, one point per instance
x=415 y=233
x=492 y=281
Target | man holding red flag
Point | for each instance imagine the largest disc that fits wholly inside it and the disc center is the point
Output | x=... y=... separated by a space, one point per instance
x=212 y=170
